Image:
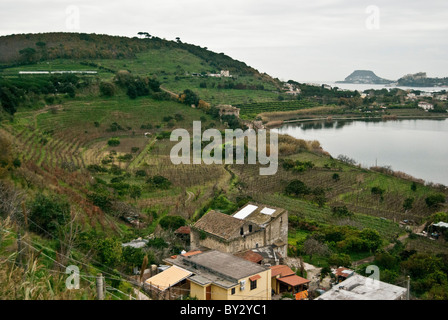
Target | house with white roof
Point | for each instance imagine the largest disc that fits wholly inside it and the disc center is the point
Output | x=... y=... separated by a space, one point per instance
x=358 y=287
x=425 y=105
x=254 y=226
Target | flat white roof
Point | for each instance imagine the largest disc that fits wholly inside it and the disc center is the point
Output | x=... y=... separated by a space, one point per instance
x=441 y=224
x=267 y=211
x=246 y=211
x=358 y=287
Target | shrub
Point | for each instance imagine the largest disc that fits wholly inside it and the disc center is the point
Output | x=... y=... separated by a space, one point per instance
x=158 y=182
x=297 y=188
x=113 y=142
x=341 y=211
x=140 y=173
x=107 y=89
x=49 y=214
x=172 y=222
x=434 y=200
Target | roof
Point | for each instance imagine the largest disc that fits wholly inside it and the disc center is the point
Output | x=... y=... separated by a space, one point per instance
x=218 y=267
x=250 y=256
x=343 y=272
x=281 y=270
x=258 y=213
x=220 y=224
x=183 y=230
x=293 y=280
x=358 y=287
x=441 y=224
x=168 y=278
x=137 y=243
x=191 y=253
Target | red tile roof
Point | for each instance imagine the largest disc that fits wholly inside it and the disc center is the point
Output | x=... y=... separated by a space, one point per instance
x=281 y=270
x=293 y=280
x=255 y=277
x=183 y=230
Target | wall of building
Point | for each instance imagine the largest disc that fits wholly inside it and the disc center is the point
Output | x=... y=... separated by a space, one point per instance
x=197 y=291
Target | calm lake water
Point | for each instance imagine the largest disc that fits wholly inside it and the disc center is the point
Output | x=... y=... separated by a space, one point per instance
x=416 y=147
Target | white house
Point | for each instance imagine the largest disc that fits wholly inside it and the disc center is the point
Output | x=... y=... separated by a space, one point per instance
x=425 y=105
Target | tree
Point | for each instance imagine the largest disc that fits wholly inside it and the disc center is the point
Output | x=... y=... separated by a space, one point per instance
x=372 y=238
x=109 y=251
x=297 y=188
x=9 y=100
x=189 y=97
x=341 y=211
x=48 y=213
x=340 y=260
x=107 y=89
x=135 y=192
x=28 y=55
x=172 y=222
x=312 y=246
x=432 y=201
x=133 y=257
x=407 y=204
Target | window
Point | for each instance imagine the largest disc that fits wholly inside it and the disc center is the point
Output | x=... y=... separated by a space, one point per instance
x=253 y=284
x=233 y=290
x=241 y=231
x=250 y=228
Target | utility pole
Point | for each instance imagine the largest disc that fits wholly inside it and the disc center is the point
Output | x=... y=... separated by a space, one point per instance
x=99 y=287
x=408 y=288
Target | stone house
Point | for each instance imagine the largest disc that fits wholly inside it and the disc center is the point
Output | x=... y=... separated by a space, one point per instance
x=253 y=227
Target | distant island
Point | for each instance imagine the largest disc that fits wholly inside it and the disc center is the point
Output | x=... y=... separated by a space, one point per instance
x=419 y=79
x=365 y=77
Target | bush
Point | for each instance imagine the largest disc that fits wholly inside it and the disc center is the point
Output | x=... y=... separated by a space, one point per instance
x=172 y=222
x=340 y=260
x=113 y=142
x=140 y=173
x=341 y=211
x=107 y=89
x=434 y=200
x=297 y=188
x=109 y=251
x=158 y=182
x=49 y=213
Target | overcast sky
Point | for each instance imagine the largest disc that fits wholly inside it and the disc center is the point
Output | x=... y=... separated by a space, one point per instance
x=312 y=40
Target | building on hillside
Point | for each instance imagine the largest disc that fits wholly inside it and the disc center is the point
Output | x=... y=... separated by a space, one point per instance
x=284 y=280
x=357 y=287
x=425 y=105
x=251 y=228
x=211 y=275
x=342 y=274
x=228 y=110
x=225 y=73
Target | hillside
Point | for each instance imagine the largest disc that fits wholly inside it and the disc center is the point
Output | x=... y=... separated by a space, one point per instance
x=175 y=64
x=85 y=166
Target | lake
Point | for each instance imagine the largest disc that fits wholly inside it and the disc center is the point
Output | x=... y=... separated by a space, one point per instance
x=416 y=147
x=361 y=87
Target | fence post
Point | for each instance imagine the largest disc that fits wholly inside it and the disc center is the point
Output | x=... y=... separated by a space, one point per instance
x=99 y=287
